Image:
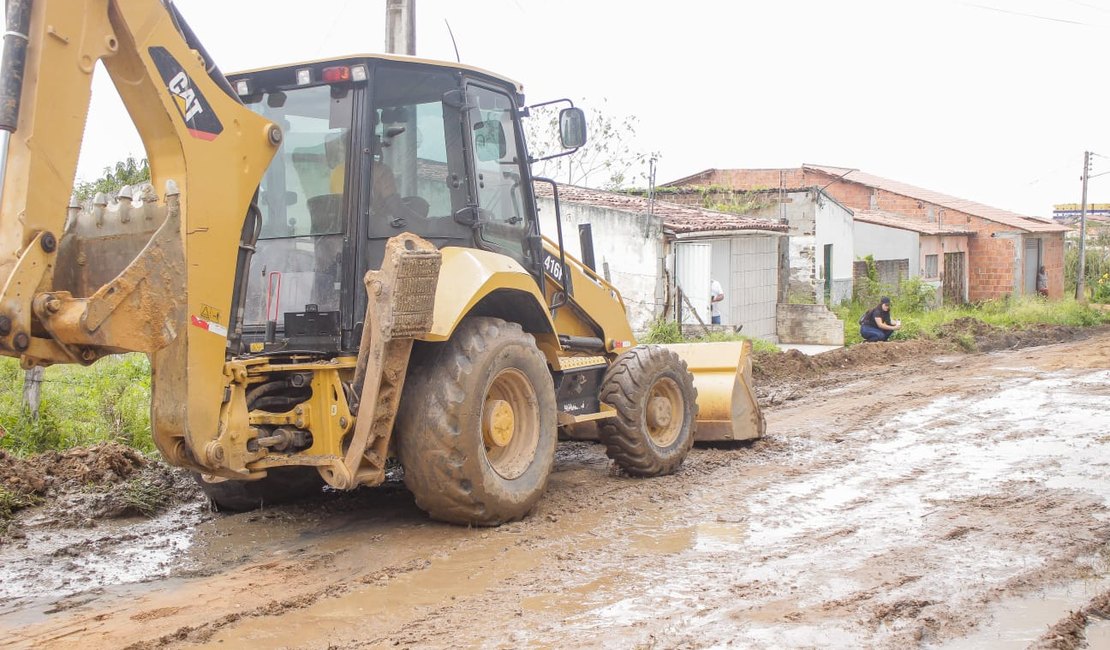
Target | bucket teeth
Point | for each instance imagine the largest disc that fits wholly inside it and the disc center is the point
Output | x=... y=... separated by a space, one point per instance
x=104 y=215
x=102 y=236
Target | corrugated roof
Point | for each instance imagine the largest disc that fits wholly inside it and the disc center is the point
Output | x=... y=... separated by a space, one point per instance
x=676 y=218
x=891 y=220
x=997 y=215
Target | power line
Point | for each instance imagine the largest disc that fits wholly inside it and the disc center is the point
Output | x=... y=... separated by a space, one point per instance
x=1091 y=6
x=1028 y=15
x=1043 y=175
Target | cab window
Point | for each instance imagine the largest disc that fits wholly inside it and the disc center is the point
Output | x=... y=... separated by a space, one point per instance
x=498 y=164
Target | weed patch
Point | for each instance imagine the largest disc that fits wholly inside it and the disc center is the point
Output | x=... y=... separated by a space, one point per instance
x=11 y=502
x=664 y=332
x=919 y=321
x=80 y=406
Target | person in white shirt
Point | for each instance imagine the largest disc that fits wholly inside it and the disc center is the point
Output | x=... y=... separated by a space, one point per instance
x=716 y=295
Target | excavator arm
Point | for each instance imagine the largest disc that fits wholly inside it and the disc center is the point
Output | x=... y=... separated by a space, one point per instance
x=141 y=274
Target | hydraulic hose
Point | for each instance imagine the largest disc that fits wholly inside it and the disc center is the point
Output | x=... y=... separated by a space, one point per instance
x=15 y=59
x=11 y=74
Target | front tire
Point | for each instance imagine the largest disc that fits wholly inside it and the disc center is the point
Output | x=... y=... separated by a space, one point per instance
x=656 y=402
x=476 y=430
x=281 y=485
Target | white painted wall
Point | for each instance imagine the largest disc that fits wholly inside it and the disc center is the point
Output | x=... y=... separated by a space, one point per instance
x=631 y=244
x=885 y=243
x=816 y=220
x=755 y=270
x=693 y=273
x=799 y=211
x=746 y=265
x=834 y=225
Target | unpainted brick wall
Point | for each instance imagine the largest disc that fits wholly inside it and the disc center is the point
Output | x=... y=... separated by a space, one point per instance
x=809 y=324
x=990 y=268
x=891 y=274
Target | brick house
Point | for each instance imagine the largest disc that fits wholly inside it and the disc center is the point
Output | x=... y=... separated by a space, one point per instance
x=936 y=253
x=1004 y=248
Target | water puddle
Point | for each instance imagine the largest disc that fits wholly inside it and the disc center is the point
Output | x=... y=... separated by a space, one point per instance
x=1098 y=633
x=479 y=565
x=1017 y=622
x=70 y=561
x=864 y=531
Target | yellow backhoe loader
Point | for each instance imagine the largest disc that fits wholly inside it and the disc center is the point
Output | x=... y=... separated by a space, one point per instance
x=344 y=268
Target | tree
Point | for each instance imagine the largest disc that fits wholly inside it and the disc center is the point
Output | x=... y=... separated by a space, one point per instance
x=125 y=172
x=607 y=161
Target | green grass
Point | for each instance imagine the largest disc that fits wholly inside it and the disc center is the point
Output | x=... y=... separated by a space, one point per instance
x=10 y=503
x=144 y=497
x=1010 y=313
x=80 y=406
x=663 y=332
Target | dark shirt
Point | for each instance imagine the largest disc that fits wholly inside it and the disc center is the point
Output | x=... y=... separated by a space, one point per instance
x=869 y=318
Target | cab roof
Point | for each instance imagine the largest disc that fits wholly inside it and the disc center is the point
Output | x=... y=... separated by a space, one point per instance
x=386 y=57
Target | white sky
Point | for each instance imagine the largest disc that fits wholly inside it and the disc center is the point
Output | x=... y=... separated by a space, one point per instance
x=989 y=100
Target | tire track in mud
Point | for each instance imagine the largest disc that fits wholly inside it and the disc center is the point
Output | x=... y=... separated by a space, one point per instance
x=856 y=522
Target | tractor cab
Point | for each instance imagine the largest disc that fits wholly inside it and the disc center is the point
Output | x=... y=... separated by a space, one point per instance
x=372 y=147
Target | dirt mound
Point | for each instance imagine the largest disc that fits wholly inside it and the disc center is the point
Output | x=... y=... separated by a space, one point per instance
x=784 y=376
x=793 y=364
x=54 y=472
x=974 y=335
x=967 y=326
x=79 y=486
x=966 y=334
x=147 y=492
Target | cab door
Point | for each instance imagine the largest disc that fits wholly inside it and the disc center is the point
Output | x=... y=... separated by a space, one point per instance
x=504 y=217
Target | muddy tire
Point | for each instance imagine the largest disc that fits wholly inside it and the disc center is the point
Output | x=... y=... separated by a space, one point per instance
x=656 y=403
x=281 y=485
x=476 y=430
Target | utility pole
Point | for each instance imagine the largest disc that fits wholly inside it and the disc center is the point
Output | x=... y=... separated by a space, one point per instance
x=400 y=27
x=1081 y=274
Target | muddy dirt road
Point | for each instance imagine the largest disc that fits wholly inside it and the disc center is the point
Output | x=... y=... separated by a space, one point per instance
x=958 y=501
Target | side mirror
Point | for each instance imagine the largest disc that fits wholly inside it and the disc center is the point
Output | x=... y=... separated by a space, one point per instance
x=489 y=140
x=572 y=128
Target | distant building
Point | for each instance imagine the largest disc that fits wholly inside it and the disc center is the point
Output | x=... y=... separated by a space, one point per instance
x=1004 y=249
x=1069 y=213
x=821 y=236
x=650 y=250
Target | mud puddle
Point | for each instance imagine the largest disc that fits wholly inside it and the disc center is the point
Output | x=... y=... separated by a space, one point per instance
x=1019 y=621
x=116 y=552
x=917 y=504
x=931 y=496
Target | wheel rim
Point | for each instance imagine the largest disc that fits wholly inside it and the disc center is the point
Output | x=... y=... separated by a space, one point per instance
x=665 y=407
x=510 y=423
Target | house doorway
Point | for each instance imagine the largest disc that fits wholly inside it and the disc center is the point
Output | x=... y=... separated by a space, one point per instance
x=1032 y=260
x=954 y=290
x=693 y=263
x=828 y=273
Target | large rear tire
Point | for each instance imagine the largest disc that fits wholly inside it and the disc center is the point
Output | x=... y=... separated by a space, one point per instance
x=476 y=429
x=281 y=485
x=656 y=403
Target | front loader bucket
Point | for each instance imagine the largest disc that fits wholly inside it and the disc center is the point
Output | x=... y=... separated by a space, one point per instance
x=727 y=408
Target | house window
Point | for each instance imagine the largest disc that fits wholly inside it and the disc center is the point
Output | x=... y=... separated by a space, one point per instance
x=931 y=266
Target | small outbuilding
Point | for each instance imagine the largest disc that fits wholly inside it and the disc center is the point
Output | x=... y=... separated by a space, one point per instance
x=662 y=256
